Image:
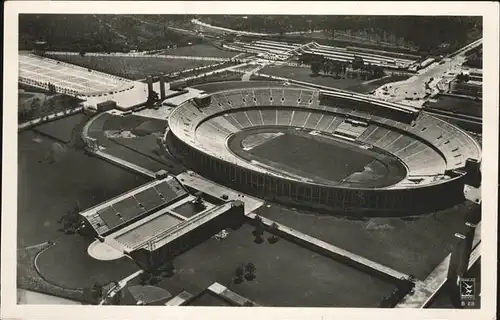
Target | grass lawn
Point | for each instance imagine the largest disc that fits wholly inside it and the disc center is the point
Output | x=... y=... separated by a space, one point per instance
x=68 y=264
x=410 y=245
x=136 y=124
x=458 y=105
x=28 y=277
x=140 y=150
x=325 y=159
x=200 y=50
x=62 y=129
x=286 y=274
x=305 y=74
x=132 y=67
x=147 y=146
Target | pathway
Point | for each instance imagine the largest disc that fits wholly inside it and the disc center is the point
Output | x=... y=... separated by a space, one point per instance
x=229 y=295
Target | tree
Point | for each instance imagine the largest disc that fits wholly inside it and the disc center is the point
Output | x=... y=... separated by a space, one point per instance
x=239 y=272
x=159 y=144
x=336 y=68
x=369 y=68
x=463 y=77
x=316 y=67
x=71 y=221
x=357 y=63
x=96 y=292
x=250 y=271
x=259 y=230
x=145 y=278
x=378 y=72
x=169 y=269
x=273 y=238
x=326 y=66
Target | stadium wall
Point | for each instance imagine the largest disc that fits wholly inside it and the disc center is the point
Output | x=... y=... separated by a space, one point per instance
x=327 y=199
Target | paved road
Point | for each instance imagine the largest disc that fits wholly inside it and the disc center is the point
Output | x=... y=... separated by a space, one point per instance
x=415 y=87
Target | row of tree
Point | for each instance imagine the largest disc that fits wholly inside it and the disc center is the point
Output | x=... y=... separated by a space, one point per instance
x=463 y=77
x=333 y=67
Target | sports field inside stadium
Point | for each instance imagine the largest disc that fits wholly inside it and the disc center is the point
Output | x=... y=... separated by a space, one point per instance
x=323 y=159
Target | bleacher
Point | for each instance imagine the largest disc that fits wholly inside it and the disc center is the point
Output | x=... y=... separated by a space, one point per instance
x=349 y=130
x=126 y=209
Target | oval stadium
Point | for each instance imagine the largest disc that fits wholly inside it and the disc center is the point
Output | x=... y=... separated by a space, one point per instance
x=331 y=150
x=302 y=171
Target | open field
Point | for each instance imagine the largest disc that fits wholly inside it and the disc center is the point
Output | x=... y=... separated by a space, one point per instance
x=132 y=67
x=137 y=125
x=200 y=50
x=458 y=105
x=286 y=274
x=422 y=242
x=305 y=74
x=47 y=190
x=147 y=147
